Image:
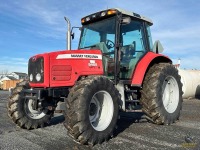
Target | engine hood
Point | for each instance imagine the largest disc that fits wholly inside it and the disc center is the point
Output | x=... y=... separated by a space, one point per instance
x=64 y=68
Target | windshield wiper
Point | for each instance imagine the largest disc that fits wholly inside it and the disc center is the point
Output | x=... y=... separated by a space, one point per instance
x=108 y=53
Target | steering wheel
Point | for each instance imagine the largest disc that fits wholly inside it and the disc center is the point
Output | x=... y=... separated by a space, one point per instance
x=110 y=44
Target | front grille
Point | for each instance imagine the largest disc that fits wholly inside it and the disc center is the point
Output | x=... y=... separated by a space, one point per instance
x=35 y=66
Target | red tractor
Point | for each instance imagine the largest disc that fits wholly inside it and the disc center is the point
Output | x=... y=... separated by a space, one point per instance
x=115 y=69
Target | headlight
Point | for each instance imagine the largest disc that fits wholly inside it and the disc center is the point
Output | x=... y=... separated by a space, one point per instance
x=38 y=77
x=31 y=77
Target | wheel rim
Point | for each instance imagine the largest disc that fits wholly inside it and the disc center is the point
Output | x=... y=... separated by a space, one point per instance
x=101 y=110
x=170 y=94
x=34 y=114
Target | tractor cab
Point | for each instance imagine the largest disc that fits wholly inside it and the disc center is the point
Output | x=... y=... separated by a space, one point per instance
x=123 y=37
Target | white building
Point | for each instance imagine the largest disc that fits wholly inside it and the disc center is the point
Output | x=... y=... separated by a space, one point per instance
x=6 y=78
x=13 y=76
x=18 y=75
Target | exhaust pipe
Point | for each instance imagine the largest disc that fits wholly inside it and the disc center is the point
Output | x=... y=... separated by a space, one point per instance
x=68 y=36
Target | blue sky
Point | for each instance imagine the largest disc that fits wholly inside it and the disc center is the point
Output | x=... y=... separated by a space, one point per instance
x=29 y=27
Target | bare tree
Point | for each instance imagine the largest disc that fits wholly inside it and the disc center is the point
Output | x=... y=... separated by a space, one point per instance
x=3 y=73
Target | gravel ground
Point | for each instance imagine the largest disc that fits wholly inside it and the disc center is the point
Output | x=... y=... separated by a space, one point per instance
x=132 y=133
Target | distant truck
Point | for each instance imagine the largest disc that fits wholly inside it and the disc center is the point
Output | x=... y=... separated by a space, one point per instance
x=116 y=68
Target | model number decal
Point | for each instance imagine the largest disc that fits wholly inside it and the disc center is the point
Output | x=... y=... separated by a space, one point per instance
x=92 y=63
x=81 y=56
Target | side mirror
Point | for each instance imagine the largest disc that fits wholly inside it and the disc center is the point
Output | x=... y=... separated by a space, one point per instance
x=157 y=47
x=126 y=20
x=72 y=35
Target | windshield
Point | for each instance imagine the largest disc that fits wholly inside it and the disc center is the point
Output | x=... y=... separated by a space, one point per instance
x=99 y=34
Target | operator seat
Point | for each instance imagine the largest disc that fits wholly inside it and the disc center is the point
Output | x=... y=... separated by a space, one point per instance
x=128 y=52
x=133 y=62
x=102 y=46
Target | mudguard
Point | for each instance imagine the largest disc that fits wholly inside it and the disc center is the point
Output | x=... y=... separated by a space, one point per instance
x=142 y=67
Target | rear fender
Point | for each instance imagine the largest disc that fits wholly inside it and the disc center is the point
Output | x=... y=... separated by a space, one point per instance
x=144 y=64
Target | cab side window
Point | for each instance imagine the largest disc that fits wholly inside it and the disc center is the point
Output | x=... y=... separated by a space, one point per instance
x=132 y=38
x=133 y=46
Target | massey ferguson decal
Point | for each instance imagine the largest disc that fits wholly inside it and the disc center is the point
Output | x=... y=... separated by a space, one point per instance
x=80 y=56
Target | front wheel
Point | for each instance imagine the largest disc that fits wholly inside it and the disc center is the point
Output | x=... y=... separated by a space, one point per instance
x=162 y=94
x=92 y=110
x=20 y=109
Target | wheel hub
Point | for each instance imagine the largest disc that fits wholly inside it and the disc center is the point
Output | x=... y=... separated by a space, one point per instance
x=31 y=111
x=101 y=110
x=34 y=104
x=170 y=94
x=93 y=109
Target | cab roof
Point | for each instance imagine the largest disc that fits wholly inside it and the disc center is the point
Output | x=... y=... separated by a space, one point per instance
x=125 y=12
x=133 y=14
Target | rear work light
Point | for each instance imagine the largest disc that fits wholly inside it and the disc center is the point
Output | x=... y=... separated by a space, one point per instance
x=87 y=19
x=103 y=13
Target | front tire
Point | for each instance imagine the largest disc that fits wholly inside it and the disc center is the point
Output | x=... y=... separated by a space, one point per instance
x=92 y=110
x=161 y=97
x=21 y=112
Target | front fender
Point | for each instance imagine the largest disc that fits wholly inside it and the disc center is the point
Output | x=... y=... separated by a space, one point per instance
x=144 y=64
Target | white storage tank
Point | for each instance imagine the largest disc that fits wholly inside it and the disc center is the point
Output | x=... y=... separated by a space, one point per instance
x=191 y=83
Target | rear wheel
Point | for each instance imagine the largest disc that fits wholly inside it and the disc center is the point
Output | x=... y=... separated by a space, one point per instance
x=92 y=110
x=162 y=94
x=21 y=111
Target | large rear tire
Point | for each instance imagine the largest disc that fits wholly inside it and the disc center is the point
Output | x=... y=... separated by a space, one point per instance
x=161 y=96
x=21 y=112
x=92 y=110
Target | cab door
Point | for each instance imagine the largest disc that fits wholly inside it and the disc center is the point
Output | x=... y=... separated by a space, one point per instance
x=133 y=47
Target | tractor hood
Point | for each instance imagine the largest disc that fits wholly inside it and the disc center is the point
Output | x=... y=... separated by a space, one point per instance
x=63 y=68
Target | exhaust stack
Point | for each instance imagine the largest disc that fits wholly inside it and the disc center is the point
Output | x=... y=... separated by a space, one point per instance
x=68 y=35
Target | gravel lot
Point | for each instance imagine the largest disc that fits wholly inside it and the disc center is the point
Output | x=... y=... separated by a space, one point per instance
x=132 y=133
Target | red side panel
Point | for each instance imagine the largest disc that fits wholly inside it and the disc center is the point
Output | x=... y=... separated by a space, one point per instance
x=142 y=66
x=67 y=66
x=63 y=68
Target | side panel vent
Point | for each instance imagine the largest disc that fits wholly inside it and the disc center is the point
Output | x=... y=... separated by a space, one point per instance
x=61 y=73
